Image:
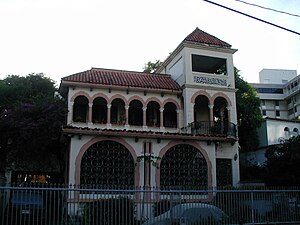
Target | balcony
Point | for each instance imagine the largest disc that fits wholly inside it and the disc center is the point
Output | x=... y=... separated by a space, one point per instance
x=211 y=128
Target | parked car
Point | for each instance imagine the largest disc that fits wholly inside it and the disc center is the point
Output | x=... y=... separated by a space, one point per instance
x=25 y=207
x=189 y=213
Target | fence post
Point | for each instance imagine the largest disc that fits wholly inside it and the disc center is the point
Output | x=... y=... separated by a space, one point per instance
x=252 y=208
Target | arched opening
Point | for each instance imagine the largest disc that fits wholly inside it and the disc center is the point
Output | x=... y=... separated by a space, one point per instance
x=170 y=115
x=99 y=110
x=135 y=113
x=183 y=167
x=118 y=111
x=153 y=114
x=201 y=110
x=107 y=164
x=80 y=109
x=201 y=114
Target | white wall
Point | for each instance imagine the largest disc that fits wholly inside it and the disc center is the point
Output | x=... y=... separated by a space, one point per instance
x=276 y=76
x=275 y=130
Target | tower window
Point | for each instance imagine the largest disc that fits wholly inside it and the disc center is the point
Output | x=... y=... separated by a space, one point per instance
x=207 y=64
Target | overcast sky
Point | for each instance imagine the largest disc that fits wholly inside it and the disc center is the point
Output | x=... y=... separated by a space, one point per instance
x=63 y=37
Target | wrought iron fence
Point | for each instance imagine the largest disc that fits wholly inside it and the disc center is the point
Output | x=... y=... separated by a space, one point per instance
x=211 y=128
x=72 y=205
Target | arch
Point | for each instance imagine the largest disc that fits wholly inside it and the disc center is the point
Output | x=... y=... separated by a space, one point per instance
x=97 y=95
x=95 y=140
x=201 y=92
x=135 y=113
x=170 y=146
x=117 y=111
x=221 y=94
x=296 y=130
x=80 y=109
x=135 y=97
x=201 y=109
x=154 y=99
x=170 y=116
x=286 y=129
x=99 y=110
x=80 y=93
x=171 y=101
x=118 y=96
x=153 y=114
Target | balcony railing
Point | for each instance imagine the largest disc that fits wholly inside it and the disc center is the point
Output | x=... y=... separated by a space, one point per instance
x=211 y=128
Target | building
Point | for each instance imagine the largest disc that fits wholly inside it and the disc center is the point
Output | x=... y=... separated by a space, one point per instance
x=174 y=128
x=279 y=93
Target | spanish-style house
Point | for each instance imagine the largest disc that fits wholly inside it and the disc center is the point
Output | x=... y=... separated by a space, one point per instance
x=172 y=128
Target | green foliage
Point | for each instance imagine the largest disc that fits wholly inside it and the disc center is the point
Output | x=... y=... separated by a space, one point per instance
x=248 y=113
x=151 y=67
x=15 y=90
x=30 y=121
x=283 y=163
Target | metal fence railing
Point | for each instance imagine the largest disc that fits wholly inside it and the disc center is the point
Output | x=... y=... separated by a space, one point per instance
x=58 y=205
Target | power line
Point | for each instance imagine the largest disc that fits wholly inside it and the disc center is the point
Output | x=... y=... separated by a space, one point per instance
x=263 y=7
x=253 y=17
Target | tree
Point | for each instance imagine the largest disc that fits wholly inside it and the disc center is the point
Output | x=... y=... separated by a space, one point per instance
x=151 y=67
x=30 y=122
x=248 y=113
x=283 y=163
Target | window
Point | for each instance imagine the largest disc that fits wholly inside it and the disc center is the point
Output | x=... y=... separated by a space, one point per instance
x=263 y=102
x=183 y=167
x=270 y=90
x=106 y=164
x=264 y=113
x=277 y=113
x=277 y=103
x=207 y=64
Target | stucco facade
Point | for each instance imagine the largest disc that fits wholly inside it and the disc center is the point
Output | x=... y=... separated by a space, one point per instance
x=175 y=128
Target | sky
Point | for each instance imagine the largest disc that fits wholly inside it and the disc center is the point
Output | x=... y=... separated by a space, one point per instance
x=63 y=37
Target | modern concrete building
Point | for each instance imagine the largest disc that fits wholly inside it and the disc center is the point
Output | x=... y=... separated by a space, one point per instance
x=174 y=128
x=279 y=92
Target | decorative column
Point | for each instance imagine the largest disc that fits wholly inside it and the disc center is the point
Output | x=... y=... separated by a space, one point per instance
x=126 y=115
x=144 y=117
x=70 y=114
x=161 y=110
x=108 y=114
x=230 y=129
x=211 y=112
x=90 y=113
x=222 y=119
x=178 y=116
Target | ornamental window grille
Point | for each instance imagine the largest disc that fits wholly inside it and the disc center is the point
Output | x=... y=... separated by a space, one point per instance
x=183 y=167
x=107 y=163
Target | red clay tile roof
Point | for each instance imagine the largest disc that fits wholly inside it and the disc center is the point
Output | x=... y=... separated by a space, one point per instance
x=124 y=78
x=199 y=36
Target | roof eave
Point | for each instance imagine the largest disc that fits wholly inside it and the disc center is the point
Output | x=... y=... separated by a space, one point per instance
x=116 y=87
